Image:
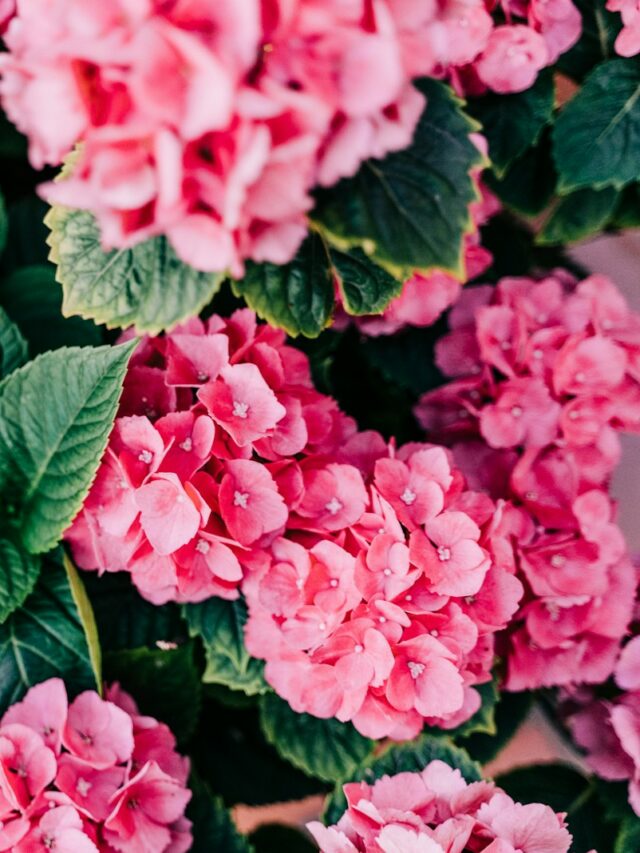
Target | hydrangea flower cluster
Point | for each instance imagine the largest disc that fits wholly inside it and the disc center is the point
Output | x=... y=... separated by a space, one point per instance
x=91 y=776
x=436 y=811
x=367 y=570
x=211 y=122
x=609 y=729
x=546 y=374
x=425 y=297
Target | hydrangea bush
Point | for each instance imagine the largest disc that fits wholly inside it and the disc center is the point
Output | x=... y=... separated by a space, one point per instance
x=308 y=424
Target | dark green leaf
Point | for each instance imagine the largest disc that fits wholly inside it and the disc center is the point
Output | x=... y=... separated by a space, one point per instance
x=18 y=575
x=411 y=210
x=627 y=212
x=628 y=838
x=297 y=297
x=596 y=139
x=364 y=286
x=510 y=712
x=579 y=215
x=220 y=624
x=213 y=827
x=513 y=123
x=13 y=145
x=4 y=224
x=409 y=757
x=275 y=838
x=125 y=620
x=33 y=299
x=406 y=359
x=13 y=347
x=232 y=754
x=327 y=749
x=529 y=182
x=165 y=684
x=56 y=414
x=599 y=30
x=147 y=286
x=45 y=638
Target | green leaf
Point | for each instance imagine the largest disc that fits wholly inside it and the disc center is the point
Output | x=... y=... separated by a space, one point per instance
x=213 y=827
x=146 y=286
x=579 y=215
x=596 y=139
x=407 y=358
x=297 y=297
x=45 y=638
x=4 y=224
x=18 y=575
x=55 y=418
x=165 y=684
x=566 y=790
x=327 y=749
x=627 y=212
x=411 y=210
x=483 y=722
x=599 y=30
x=513 y=123
x=14 y=350
x=125 y=620
x=509 y=714
x=33 y=300
x=628 y=838
x=365 y=287
x=220 y=624
x=85 y=612
x=13 y=144
x=528 y=184
x=407 y=757
x=275 y=838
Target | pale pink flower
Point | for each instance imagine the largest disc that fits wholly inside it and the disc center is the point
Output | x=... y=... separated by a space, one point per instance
x=512 y=58
x=98 y=732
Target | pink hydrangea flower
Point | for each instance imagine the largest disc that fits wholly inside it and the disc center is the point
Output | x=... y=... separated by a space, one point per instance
x=544 y=373
x=88 y=776
x=212 y=124
x=437 y=811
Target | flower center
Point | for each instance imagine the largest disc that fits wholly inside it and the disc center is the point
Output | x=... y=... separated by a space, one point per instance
x=516 y=411
x=83 y=787
x=240 y=410
x=202 y=546
x=408 y=497
x=186 y=445
x=145 y=456
x=416 y=669
x=241 y=499
x=444 y=553
x=333 y=506
x=558 y=561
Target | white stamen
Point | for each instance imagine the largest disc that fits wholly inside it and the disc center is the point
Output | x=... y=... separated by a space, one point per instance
x=537 y=353
x=444 y=553
x=202 y=546
x=573 y=415
x=145 y=456
x=187 y=445
x=203 y=377
x=359 y=649
x=323 y=626
x=516 y=411
x=333 y=583
x=435 y=633
x=505 y=345
x=83 y=787
x=580 y=376
x=333 y=506
x=299 y=583
x=408 y=497
x=387 y=573
x=240 y=410
x=416 y=669
x=241 y=499
x=558 y=561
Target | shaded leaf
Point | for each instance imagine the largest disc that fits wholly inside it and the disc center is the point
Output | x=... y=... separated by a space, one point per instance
x=275 y=838
x=220 y=624
x=599 y=30
x=410 y=210
x=18 y=575
x=579 y=215
x=628 y=838
x=596 y=139
x=528 y=184
x=146 y=286
x=365 y=287
x=213 y=827
x=56 y=414
x=14 y=350
x=45 y=638
x=327 y=749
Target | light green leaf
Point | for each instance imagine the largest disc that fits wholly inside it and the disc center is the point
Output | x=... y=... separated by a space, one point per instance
x=579 y=215
x=18 y=575
x=45 y=638
x=33 y=299
x=13 y=347
x=56 y=414
x=628 y=838
x=411 y=210
x=365 y=287
x=87 y=618
x=327 y=749
x=165 y=684
x=213 y=827
x=513 y=123
x=220 y=624
x=147 y=286
x=409 y=757
x=596 y=139
x=297 y=297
